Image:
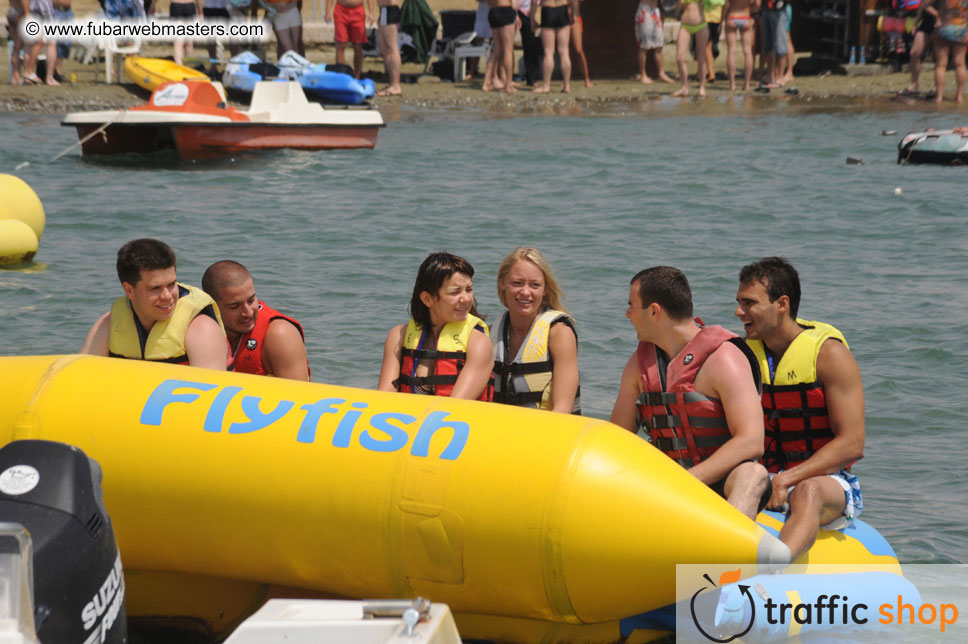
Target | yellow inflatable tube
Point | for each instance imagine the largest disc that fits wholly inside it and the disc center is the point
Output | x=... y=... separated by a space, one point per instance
x=489 y=508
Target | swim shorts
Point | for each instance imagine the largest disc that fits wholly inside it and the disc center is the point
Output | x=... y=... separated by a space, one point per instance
x=182 y=10
x=648 y=27
x=216 y=12
x=499 y=17
x=389 y=15
x=555 y=17
x=952 y=33
x=42 y=8
x=773 y=23
x=287 y=19
x=852 y=495
x=349 y=24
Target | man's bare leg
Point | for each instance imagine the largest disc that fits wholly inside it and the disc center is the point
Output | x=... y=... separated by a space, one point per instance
x=357 y=60
x=341 y=53
x=548 y=62
x=563 y=36
x=941 y=51
x=814 y=502
x=506 y=61
x=745 y=487
x=660 y=65
x=391 y=58
x=642 y=77
x=958 y=53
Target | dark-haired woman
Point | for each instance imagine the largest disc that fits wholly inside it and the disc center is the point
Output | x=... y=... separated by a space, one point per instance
x=444 y=349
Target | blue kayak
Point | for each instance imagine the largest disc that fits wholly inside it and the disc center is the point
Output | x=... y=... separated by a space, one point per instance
x=246 y=69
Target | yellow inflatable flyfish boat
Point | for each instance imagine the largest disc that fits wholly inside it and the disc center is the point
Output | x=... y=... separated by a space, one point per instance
x=489 y=508
x=149 y=73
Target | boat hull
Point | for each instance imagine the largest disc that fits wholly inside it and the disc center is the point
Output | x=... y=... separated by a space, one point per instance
x=125 y=139
x=197 y=142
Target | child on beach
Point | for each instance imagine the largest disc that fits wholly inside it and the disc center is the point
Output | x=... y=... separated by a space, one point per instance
x=349 y=27
x=648 y=33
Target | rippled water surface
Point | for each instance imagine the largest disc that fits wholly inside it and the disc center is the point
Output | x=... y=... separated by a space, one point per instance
x=335 y=239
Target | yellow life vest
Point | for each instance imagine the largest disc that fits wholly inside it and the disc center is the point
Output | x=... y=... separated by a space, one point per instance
x=798 y=364
x=525 y=379
x=165 y=341
x=449 y=357
x=795 y=416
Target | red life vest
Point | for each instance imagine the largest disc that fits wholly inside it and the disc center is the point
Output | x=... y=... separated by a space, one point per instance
x=686 y=425
x=448 y=358
x=794 y=403
x=248 y=355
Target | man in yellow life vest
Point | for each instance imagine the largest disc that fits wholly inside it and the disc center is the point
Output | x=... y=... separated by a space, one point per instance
x=157 y=318
x=813 y=403
x=263 y=341
x=691 y=391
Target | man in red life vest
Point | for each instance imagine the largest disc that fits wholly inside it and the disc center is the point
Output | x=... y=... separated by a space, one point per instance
x=813 y=402
x=158 y=319
x=263 y=341
x=692 y=392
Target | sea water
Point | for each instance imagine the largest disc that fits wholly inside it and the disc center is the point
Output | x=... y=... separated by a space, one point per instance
x=335 y=239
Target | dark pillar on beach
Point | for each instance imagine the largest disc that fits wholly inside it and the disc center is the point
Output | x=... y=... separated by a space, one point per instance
x=609 y=37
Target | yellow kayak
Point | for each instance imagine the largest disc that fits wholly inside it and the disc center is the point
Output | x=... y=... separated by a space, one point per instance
x=149 y=73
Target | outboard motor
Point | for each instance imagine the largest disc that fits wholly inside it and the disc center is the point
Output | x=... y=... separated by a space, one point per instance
x=54 y=491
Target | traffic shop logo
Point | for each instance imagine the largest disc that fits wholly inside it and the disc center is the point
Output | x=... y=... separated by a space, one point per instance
x=728 y=577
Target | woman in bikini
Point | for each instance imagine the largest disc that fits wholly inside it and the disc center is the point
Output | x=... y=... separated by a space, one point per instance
x=556 y=21
x=739 y=22
x=950 y=40
x=692 y=22
x=444 y=349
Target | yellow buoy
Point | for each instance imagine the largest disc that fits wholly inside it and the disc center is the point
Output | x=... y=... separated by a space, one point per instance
x=18 y=243
x=20 y=202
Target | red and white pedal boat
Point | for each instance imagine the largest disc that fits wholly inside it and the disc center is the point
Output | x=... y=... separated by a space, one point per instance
x=193 y=118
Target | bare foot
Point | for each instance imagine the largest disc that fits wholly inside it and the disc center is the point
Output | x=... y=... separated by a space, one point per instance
x=732 y=86
x=666 y=78
x=541 y=90
x=588 y=83
x=511 y=89
x=390 y=91
x=566 y=89
x=645 y=79
x=937 y=98
x=702 y=92
x=682 y=91
x=15 y=79
x=486 y=88
x=52 y=81
x=958 y=98
x=746 y=87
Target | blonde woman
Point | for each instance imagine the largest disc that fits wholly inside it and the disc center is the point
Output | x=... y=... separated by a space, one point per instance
x=536 y=344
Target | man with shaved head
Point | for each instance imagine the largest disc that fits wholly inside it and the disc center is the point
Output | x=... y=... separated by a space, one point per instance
x=263 y=340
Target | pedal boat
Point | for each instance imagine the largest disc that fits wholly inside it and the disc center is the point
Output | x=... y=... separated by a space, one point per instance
x=193 y=119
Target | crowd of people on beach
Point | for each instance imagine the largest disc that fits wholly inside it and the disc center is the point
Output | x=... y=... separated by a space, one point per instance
x=759 y=28
x=775 y=420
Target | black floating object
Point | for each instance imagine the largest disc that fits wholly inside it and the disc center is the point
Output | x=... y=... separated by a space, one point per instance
x=855 y=161
x=888 y=132
x=792 y=91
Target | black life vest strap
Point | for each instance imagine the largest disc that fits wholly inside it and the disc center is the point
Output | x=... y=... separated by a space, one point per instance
x=522 y=398
x=521 y=368
x=802 y=412
x=176 y=360
x=656 y=399
x=421 y=381
x=430 y=354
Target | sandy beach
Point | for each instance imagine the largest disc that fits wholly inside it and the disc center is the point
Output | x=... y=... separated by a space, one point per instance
x=863 y=87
